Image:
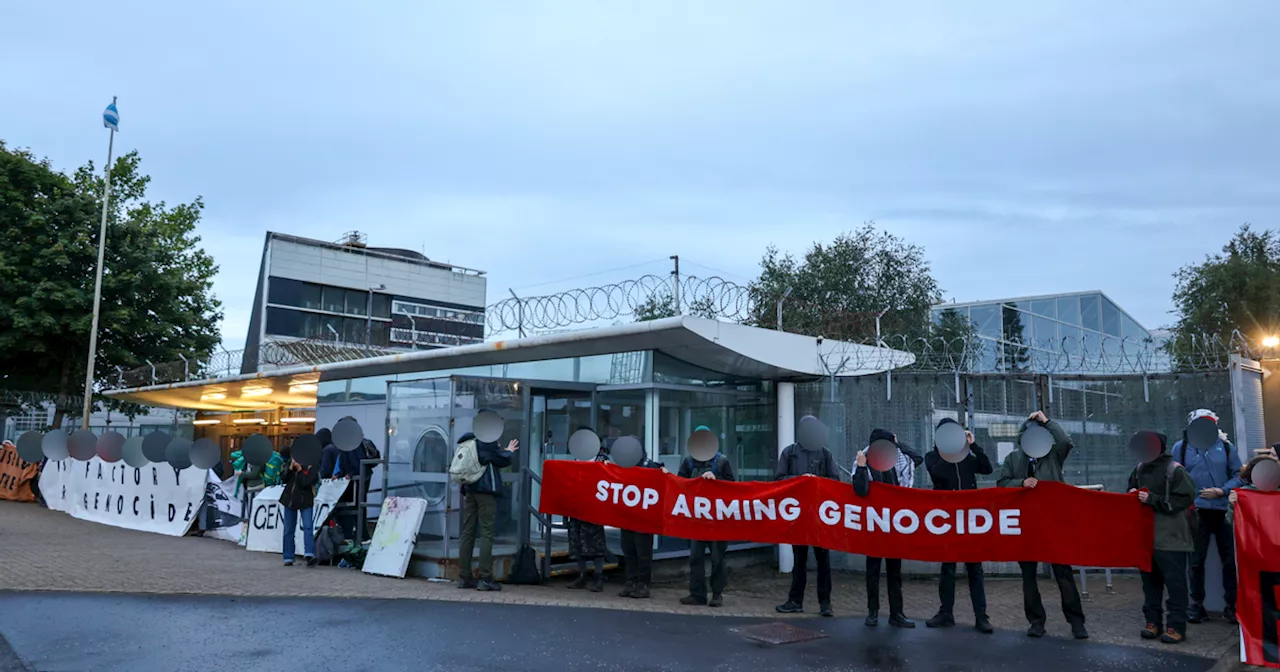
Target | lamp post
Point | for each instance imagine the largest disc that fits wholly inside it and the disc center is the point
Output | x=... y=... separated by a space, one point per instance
x=368 y=316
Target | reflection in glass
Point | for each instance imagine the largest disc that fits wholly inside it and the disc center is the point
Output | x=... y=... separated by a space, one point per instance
x=1069 y=310
x=1044 y=332
x=1089 y=312
x=1110 y=318
x=1045 y=307
x=986 y=320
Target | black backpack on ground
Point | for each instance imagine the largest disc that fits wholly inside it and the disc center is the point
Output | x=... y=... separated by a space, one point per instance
x=526 y=570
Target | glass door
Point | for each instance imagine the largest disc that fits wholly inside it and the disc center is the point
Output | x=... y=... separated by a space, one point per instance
x=555 y=416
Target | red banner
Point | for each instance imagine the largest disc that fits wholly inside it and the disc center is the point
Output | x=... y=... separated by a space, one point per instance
x=1258 y=569
x=1050 y=523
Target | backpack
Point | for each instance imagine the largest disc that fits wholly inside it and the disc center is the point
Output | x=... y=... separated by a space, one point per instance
x=527 y=570
x=328 y=544
x=465 y=467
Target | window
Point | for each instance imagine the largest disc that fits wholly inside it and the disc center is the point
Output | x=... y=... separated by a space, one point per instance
x=1110 y=318
x=986 y=320
x=1131 y=330
x=1069 y=310
x=1015 y=328
x=357 y=302
x=1045 y=333
x=1045 y=307
x=1089 y=312
x=283 y=322
x=286 y=292
x=381 y=305
x=1071 y=337
x=335 y=299
x=353 y=330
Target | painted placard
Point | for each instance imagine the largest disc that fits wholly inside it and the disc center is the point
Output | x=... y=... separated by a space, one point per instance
x=155 y=498
x=266 y=516
x=393 y=540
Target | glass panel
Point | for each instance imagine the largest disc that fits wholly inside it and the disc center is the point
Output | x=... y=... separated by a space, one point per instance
x=986 y=320
x=335 y=299
x=381 y=305
x=310 y=296
x=1131 y=330
x=1092 y=346
x=353 y=331
x=1069 y=310
x=331 y=328
x=1015 y=327
x=935 y=315
x=1089 y=312
x=357 y=302
x=1071 y=338
x=1045 y=307
x=283 y=322
x=1110 y=318
x=1044 y=333
x=311 y=326
x=419 y=450
x=673 y=371
x=284 y=291
x=381 y=334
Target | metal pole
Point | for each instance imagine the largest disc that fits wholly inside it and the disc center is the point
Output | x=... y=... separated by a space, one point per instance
x=368 y=320
x=97 y=285
x=520 y=308
x=780 y=302
x=675 y=275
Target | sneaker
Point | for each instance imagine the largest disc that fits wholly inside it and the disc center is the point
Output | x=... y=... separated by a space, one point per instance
x=1152 y=631
x=1036 y=630
x=1196 y=614
x=789 y=607
x=1230 y=614
x=467 y=584
x=311 y=561
x=873 y=619
x=579 y=583
x=1172 y=636
x=983 y=624
x=640 y=592
x=288 y=563
x=626 y=592
x=691 y=601
x=489 y=586
x=716 y=601
x=901 y=621
x=1079 y=632
x=825 y=611
x=940 y=620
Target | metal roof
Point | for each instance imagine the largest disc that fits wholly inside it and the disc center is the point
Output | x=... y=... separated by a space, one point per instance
x=728 y=348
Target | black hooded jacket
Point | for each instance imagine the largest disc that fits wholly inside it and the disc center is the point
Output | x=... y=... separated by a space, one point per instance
x=957 y=476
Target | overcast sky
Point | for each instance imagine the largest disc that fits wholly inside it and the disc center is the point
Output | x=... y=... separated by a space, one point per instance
x=1031 y=147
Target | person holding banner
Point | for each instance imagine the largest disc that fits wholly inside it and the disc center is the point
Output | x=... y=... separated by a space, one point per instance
x=958 y=470
x=1043 y=448
x=586 y=542
x=706 y=461
x=1165 y=486
x=1244 y=481
x=637 y=547
x=885 y=461
x=298 y=498
x=808 y=457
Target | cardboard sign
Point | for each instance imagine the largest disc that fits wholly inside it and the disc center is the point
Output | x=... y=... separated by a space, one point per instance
x=16 y=475
x=266 y=516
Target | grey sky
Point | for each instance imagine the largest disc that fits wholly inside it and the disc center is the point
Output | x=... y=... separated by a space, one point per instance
x=1032 y=147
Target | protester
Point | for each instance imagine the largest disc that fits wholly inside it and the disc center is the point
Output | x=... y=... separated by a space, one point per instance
x=252 y=477
x=334 y=462
x=1165 y=486
x=637 y=553
x=961 y=475
x=298 y=498
x=586 y=542
x=797 y=460
x=902 y=474
x=1022 y=470
x=1212 y=470
x=717 y=468
x=1244 y=481
x=480 y=512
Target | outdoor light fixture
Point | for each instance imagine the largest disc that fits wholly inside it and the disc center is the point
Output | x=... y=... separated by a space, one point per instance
x=302 y=388
x=206 y=422
x=1271 y=341
x=213 y=396
x=297 y=419
x=255 y=391
x=250 y=421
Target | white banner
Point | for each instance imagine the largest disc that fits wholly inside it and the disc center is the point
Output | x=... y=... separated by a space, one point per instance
x=227 y=508
x=266 y=516
x=156 y=498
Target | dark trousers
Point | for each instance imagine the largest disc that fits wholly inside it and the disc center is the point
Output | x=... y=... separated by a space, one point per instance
x=947 y=588
x=1066 y=581
x=894 y=569
x=1214 y=523
x=800 y=574
x=698 y=551
x=637 y=553
x=479 y=511
x=1168 y=574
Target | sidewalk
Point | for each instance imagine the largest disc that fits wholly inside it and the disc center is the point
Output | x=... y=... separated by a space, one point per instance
x=42 y=550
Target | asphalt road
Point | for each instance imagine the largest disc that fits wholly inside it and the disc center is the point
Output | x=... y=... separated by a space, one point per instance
x=53 y=632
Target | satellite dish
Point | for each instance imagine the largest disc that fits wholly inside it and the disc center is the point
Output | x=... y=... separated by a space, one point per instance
x=626 y=452
x=584 y=445
x=205 y=453
x=54 y=445
x=1144 y=447
x=882 y=455
x=82 y=445
x=1202 y=433
x=1037 y=441
x=347 y=434
x=813 y=434
x=257 y=450
x=110 y=447
x=488 y=426
x=952 y=442
x=154 y=446
x=1266 y=475
x=132 y=452
x=307 y=451
x=29 y=447
x=178 y=453
x=703 y=445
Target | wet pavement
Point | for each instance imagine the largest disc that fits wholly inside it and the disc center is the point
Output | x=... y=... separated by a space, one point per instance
x=56 y=632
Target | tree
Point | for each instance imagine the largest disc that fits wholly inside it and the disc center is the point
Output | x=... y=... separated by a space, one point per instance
x=1016 y=355
x=661 y=304
x=837 y=290
x=953 y=343
x=157 y=300
x=1236 y=290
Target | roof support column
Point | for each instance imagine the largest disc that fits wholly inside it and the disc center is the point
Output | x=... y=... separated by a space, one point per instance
x=786 y=437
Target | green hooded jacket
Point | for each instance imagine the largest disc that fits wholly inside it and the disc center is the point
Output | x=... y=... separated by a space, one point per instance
x=1016 y=467
x=1170 y=496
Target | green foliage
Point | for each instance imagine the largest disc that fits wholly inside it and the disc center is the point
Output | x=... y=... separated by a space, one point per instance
x=838 y=289
x=157 y=300
x=661 y=305
x=1238 y=289
x=1016 y=355
x=953 y=341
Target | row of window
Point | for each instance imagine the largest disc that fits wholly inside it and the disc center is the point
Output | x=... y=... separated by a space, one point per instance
x=299 y=324
x=312 y=296
x=419 y=310
x=438 y=325
x=1046 y=319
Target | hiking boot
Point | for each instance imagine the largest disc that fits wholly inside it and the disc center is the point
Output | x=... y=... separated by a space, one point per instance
x=488 y=586
x=789 y=607
x=579 y=583
x=640 y=592
x=1079 y=632
x=597 y=585
x=1172 y=636
x=311 y=562
x=901 y=621
x=826 y=611
x=940 y=620
x=467 y=583
x=626 y=592
x=716 y=601
x=983 y=624
x=873 y=619
x=1036 y=630
x=691 y=601
x=1152 y=631
x=1196 y=614
x=1230 y=614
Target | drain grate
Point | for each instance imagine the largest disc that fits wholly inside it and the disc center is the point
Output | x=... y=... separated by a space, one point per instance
x=778 y=633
